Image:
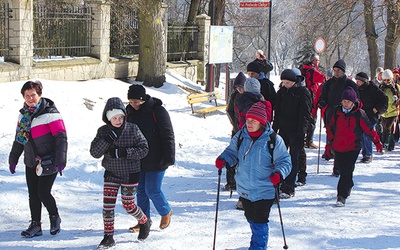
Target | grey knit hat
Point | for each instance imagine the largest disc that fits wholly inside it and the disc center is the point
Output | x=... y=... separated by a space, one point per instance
x=252 y=85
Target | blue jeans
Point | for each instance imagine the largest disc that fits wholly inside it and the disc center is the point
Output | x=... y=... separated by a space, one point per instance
x=150 y=189
x=366 y=145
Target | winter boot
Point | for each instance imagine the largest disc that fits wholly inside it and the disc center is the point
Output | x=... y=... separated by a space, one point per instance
x=144 y=230
x=107 y=242
x=366 y=159
x=55 y=222
x=165 y=220
x=340 y=201
x=137 y=227
x=34 y=229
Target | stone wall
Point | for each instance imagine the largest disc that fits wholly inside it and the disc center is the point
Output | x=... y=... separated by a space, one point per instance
x=19 y=64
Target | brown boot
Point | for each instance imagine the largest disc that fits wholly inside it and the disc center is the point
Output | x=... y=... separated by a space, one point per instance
x=165 y=220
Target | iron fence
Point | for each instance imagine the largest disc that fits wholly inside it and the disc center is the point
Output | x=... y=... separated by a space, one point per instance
x=124 y=30
x=61 y=30
x=182 y=43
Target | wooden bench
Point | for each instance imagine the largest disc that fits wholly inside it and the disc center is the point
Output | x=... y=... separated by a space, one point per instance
x=210 y=97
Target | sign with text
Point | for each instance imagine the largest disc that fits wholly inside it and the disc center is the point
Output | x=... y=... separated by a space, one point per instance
x=254 y=4
x=221 y=44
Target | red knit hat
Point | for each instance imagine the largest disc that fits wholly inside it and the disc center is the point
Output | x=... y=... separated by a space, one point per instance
x=258 y=112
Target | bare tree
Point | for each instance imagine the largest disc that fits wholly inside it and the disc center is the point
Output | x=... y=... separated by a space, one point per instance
x=152 y=63
x=393 y=33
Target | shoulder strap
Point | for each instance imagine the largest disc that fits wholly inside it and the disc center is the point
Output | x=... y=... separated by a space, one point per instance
x=271 y=145
x=240 y=140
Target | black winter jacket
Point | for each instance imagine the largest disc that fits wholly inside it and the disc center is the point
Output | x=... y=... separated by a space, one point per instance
x=331 y=95
x=129 y=137
x=293 y=109
x=372 y=97
x=154 y=121
x=49 y=135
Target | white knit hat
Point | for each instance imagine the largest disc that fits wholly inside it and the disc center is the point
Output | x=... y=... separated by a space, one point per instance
x=114 y=112
x=387 y=74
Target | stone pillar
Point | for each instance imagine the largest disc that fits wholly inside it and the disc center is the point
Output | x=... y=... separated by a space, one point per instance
x=101 y=29
x=204 y=23
x=21 y=36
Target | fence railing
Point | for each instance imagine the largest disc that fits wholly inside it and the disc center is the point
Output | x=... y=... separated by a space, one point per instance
x=124 y=31
x=5 y=14
x=182 y=43
x=61 y=30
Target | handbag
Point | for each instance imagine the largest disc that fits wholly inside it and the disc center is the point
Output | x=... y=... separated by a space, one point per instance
x=45 y=166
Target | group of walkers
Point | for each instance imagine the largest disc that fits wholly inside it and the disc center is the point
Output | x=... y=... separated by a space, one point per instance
x=285 y=121
x=136 y=145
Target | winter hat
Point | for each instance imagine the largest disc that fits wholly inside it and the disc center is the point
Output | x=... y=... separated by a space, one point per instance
x=362 y=77
x=252 y=85
x=254 y=67
x=137 y=92
x=396 y=71
x=114 y=112
x=239 y=80
x=340 y=64
x=314 y=57
x=387 y=74
x=258 y=112
x=378 y=71
x=289 y=75
x=349 y=94
x=329 y=73
x=296 y=71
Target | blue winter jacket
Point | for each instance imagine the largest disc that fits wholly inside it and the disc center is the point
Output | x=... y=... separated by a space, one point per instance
x=254 y=165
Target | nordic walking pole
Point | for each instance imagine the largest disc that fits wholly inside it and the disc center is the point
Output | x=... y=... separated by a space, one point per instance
x=285 y=246
x=216 y=209
x=319 y=140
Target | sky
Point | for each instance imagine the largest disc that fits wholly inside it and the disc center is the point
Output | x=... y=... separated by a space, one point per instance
x=370 y=219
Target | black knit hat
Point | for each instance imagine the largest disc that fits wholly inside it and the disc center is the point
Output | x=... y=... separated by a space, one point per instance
x=254 y=67
x=239 y=80
x=340 y=64
x=362 y=77
x=137 y=92
x=289 y=75
x=349 y=94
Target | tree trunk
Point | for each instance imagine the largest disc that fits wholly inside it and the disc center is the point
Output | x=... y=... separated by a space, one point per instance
x=392 y=38
x=370 y=33
x=193 y=10
x=152 y=64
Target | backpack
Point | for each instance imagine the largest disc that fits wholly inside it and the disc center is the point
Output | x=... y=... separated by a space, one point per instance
x=271 y=144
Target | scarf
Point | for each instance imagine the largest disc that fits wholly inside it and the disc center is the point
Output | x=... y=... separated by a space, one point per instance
x=24 y=125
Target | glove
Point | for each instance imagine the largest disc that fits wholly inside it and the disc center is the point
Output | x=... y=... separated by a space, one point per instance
x=327 y=154
x=275 y=178
x=379 y=146
x=220 y=163
x=111 y=136
x=12 y=168
x=60 y=169
x=117 y=152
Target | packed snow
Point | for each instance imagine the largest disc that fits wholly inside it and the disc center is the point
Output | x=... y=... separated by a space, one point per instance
x=370 y=219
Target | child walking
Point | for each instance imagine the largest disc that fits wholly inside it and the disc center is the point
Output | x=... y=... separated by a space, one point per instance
x=123 y=145
x=344 y=134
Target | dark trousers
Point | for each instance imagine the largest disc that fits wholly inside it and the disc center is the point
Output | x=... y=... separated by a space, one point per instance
x=345 y=162
x=39 y=189
x=310 y=131
x=387 y=133
x=295 y=144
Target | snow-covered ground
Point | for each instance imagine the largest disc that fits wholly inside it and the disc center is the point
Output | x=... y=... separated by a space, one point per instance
x=370 y=219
